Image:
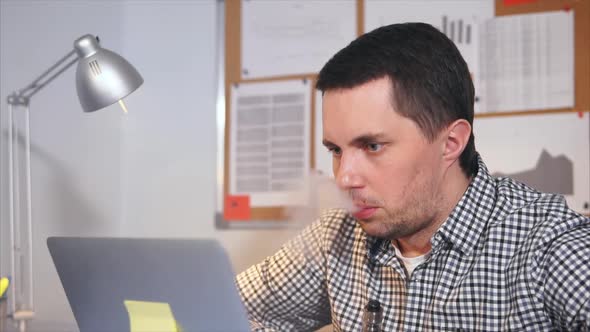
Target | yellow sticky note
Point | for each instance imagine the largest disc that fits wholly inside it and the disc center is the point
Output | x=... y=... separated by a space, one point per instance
x=3 y=285
x=150 y=316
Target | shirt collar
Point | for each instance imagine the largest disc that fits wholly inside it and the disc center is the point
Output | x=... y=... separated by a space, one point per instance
x=467 y=221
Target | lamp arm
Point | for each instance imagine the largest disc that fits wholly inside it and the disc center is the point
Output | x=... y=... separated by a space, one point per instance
x=22 y=96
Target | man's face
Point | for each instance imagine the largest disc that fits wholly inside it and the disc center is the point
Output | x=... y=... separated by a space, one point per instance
x=391 y=171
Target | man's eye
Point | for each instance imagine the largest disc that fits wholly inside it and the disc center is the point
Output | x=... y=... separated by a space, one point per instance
x=374 y=147
x=335 y=151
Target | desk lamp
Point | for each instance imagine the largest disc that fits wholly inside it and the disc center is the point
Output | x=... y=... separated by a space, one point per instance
x=102 y=78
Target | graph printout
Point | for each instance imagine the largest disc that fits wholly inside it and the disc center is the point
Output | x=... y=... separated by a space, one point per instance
x=548 y=152
x=458 y=19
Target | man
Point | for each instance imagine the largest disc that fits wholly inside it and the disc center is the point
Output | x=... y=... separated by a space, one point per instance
x=441 y=244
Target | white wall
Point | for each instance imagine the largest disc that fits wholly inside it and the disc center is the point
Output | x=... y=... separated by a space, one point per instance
x=150 y=173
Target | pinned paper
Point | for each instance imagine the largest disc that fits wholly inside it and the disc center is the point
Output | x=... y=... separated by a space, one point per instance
x=151 y=317
x=236 y=207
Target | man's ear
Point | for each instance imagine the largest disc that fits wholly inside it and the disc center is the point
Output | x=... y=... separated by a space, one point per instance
x=457 y=137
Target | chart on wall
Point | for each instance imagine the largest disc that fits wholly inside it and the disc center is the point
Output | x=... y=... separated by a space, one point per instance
x=548 y=152
x=458 y=19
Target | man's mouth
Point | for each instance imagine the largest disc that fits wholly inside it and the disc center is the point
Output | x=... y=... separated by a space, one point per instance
x=364 y=212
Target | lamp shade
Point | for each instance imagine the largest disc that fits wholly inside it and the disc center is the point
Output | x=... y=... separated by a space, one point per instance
x=102 y=77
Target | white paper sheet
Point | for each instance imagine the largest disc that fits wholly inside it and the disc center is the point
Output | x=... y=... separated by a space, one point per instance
x=458 y=19
x=323 y=158
x=550 y=152
x=528 y=62
x=270 y=137
x=293 y=37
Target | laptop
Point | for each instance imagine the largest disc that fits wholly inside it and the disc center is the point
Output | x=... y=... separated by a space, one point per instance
x=194 y=277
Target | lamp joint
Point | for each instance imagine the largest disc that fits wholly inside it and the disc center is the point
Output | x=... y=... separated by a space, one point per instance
x=17 y=99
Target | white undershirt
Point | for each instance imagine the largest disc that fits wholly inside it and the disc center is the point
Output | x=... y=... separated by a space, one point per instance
x=410 y=263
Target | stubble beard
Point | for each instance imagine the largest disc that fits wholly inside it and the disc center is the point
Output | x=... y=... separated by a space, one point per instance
x=416 y=214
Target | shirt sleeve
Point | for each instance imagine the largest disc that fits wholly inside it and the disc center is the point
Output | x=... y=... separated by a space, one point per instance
x=287 y=291
x=566 y=278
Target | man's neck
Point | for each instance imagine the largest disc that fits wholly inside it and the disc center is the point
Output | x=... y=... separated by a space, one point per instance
x=410 y=250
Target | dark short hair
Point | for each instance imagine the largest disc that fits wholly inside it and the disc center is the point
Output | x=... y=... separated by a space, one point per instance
x=431 y=82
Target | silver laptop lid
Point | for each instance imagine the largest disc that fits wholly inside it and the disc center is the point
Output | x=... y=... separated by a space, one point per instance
x=193 y=276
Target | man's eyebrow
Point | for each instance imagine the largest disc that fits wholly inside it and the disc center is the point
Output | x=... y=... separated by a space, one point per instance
x=327 y=143
x=367 y=138
x=359 y=140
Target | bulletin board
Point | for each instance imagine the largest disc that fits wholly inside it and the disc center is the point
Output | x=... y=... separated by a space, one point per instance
x=236 y=212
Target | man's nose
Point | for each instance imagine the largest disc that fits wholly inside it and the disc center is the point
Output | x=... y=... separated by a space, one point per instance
x=348 y=175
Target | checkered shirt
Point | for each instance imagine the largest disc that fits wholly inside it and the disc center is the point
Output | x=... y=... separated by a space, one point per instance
x=508 y=258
